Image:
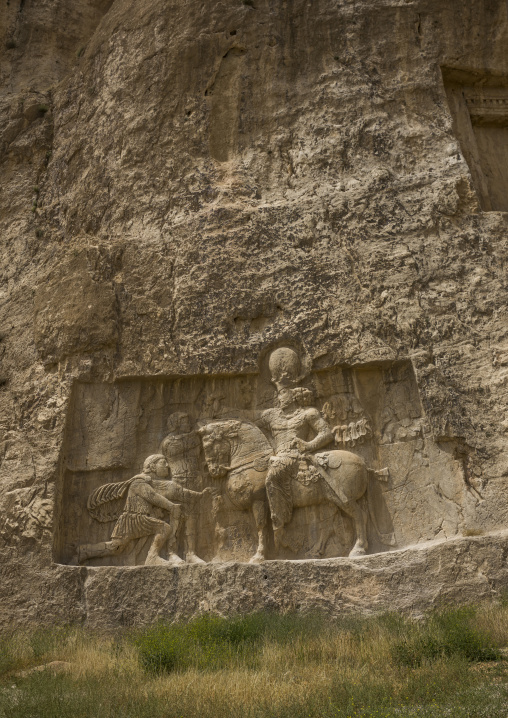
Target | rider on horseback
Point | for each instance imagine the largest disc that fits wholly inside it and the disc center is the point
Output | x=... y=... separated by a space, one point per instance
x=290 y=426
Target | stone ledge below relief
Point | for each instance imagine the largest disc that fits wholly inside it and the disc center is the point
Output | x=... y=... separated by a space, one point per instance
x=414 y=580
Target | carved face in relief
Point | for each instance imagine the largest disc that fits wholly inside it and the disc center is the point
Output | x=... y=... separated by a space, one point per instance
x=156 y=465
x=179 y=423
x=286 y=398
x=162 y=469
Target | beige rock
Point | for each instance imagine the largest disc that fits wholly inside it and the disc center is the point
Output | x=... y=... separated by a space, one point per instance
x=53 y=666
x=187 y=190
x=411 y=580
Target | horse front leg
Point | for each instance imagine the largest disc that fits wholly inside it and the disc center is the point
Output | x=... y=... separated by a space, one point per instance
x=220 y=531
x=259 y=511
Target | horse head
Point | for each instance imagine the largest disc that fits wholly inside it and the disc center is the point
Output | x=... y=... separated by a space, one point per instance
x=216 y=439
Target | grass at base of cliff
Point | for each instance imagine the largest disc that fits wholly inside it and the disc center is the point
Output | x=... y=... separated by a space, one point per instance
x=266 y=665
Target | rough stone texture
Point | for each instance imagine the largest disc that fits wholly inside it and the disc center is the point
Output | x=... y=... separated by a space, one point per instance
x=413 y=581
x=184 y=186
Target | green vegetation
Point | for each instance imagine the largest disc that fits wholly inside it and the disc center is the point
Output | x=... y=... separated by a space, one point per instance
x=452 y=633
x=266 y=665
x=211 y=643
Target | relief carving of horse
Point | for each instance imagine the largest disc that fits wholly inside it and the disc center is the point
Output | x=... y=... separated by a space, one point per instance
x=239 y=452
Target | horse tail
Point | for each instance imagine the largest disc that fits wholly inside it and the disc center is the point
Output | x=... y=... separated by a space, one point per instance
x=377 y=509
x=381 y=474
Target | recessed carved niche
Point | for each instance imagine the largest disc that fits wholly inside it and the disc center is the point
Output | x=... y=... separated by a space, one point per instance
x=479 y=107
x=287 y=463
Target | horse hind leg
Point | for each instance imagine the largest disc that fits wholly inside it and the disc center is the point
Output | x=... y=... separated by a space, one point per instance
x=259 y=511
x=354 y=510
x=361 y=545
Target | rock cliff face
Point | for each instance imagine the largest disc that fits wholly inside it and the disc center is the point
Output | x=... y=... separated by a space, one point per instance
x=188 y=188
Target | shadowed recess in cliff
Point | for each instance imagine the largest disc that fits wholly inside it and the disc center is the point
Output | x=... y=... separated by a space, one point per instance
x=479 y=107
x=225 y=94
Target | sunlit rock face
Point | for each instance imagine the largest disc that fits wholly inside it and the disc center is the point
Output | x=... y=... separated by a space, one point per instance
x=253 y=339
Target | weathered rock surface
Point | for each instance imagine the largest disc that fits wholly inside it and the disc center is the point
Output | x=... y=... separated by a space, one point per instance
x=412 y=580
x=185 y=187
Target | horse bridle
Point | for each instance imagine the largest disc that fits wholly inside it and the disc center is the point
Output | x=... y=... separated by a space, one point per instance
x=249 y=464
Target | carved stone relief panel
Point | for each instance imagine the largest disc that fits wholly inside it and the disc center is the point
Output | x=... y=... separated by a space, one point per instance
x=285 y=463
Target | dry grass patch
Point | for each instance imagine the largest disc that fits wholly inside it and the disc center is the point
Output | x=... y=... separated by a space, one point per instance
x=268 y=666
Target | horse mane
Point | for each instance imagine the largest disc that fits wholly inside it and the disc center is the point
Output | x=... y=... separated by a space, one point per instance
x=251 y=440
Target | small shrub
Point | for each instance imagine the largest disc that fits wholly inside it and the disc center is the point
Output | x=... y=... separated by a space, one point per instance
x=161 y=649
x=206 y=643
x=7 y=658
x=445 y=634
x=462 y=638
x=473 y=532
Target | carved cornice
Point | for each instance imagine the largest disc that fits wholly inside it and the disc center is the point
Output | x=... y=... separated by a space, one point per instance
x=488 y=107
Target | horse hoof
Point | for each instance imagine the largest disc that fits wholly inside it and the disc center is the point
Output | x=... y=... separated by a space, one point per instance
x=258 y=558
x=192 y=558
x=356 y=552
x=175 y=560
x=156 y=561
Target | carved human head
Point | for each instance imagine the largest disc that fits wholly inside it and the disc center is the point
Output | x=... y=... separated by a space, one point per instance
x=178 y=422
x=157 y=465
x=303 y=396
x=284 y=365
x=285 y=398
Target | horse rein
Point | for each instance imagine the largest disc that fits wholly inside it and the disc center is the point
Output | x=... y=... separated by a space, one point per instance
x=250 y=464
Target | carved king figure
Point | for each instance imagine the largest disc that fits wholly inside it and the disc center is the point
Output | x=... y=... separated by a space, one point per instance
x=290 y=426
